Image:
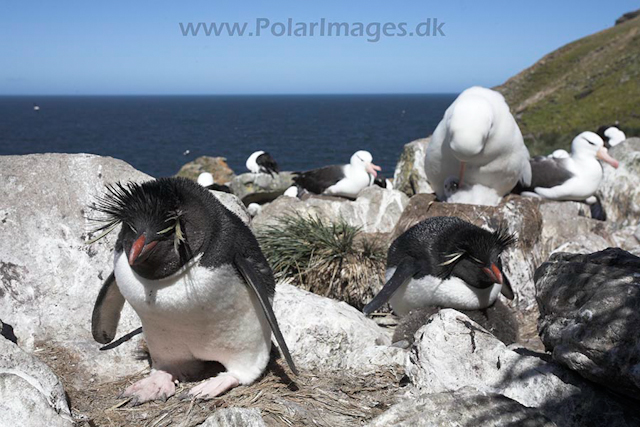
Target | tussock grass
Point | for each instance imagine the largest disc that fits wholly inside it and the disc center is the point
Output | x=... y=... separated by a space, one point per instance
x=332 y=259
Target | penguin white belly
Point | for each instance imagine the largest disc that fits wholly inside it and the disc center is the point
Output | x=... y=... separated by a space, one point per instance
x=433 y=291
x=199 y=314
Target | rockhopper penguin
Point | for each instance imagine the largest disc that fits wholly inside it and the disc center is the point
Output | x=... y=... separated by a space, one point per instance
x=446 y=262
x=196 y=277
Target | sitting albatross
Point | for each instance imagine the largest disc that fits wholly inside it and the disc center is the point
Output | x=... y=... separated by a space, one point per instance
x=262 y=162
x=340 y=180
x=611 y=135
x=575 y=178
x=477 y=142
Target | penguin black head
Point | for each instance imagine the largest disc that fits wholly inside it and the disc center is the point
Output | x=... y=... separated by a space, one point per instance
x=163 y=223
x=473 y=255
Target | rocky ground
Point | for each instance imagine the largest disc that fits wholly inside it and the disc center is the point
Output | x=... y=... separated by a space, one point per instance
x=575 y=361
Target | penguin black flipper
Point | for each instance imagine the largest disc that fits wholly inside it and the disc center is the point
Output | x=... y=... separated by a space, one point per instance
x=106 y=311
x=248 y=272
x=405 y=270
x=506 y=290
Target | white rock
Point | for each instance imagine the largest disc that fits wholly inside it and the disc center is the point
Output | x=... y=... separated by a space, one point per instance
x=379 y=358
x=452 y=352
x=465 y=407
x=568 y=227
x=30 y=393
x=234 y=204
x=375 y=210
x=51 y=277
x=234 y=417
x=327 y=335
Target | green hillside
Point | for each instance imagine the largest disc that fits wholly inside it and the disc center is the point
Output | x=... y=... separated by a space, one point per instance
x=581 y=86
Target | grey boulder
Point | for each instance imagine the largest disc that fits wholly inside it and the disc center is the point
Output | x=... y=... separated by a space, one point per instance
x=260 y=187
x=463 y=407
x=452 y=352
x=589 y=316
x=376 y=210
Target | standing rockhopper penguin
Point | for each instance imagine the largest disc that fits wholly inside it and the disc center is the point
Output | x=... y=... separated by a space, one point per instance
x=446 y=262
x=196 y=277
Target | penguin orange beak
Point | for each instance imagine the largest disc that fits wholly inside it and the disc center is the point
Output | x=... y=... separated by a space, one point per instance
x=603 y=154
x=371 y=169
x=494 y=273
x=140 y=248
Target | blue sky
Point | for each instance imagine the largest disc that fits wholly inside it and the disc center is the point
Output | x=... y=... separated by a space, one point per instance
x=137 y=47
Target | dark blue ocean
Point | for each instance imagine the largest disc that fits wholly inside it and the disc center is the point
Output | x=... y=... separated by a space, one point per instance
x=152 y=132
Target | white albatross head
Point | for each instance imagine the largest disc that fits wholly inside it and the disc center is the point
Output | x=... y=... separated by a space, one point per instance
x=615 y=136
x=469 y=127
x=363 y=160
x=589 y=145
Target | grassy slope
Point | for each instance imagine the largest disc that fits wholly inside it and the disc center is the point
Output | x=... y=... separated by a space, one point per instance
x=581 y=86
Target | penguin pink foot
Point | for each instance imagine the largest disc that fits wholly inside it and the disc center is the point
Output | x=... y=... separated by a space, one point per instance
x=214 y=386
x=158 y=385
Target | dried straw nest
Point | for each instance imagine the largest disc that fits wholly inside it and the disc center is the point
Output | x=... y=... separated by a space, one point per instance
x=324 y=399
x=332 y=259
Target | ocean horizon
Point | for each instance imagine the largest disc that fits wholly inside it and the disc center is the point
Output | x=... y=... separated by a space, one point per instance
x=152 y=132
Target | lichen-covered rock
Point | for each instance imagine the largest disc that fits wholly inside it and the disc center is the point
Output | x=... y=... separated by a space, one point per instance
x=376 y=210
x=620 y=188
x=260 y=187
x=324 y=334
x=452 y=352
x=589 y=316
x=216 y=166
x=30 y=393
x=410 y=176
x=464 y=407
x=234 y=417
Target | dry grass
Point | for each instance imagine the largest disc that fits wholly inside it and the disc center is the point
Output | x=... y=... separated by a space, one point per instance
x=309 y=399
x=335 y=260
